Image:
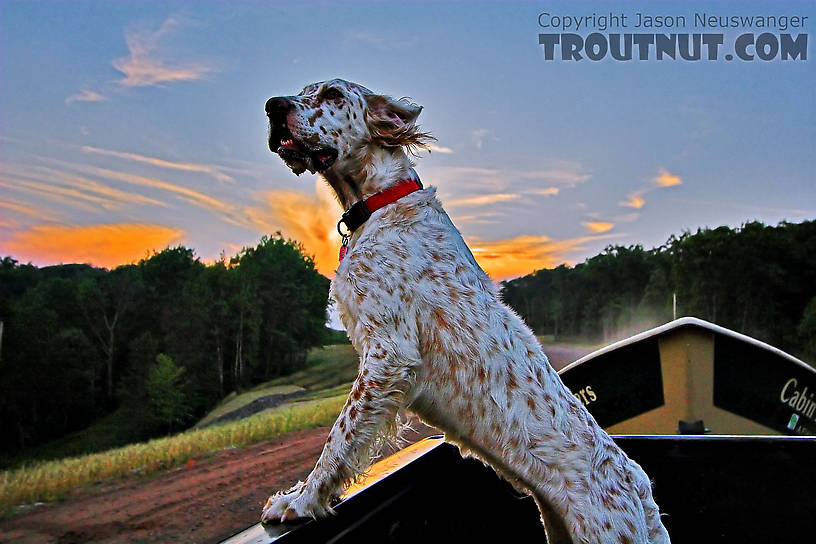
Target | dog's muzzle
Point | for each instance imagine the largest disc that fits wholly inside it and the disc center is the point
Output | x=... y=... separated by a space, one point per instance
x=294 y=152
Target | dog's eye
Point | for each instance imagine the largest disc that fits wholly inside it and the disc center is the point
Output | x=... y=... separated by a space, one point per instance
x=332 y=93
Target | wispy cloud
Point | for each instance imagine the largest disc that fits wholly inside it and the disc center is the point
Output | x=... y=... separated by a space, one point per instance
x=479 y=136
x=634 y=200
x=69 y=189
x=102 y=245
x=549 y=180
x=482 y=200
x=147 y=63
x=482 y=218
x=546 y=191
x=225 y=209
x=451 y=178
x=86 y=95
x=52 y=194
x=26 y=209
x=439 y=149
x=211 y=170
x=666 y=179
x=564 y=173
x=513 y=257
x=598 y=226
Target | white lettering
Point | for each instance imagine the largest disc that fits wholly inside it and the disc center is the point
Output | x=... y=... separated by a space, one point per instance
x=793 y=382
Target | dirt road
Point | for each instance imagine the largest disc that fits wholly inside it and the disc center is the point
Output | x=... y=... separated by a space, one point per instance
x=206 y=501
x=199 y=503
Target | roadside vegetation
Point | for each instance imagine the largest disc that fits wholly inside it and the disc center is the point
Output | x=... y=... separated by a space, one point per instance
x=325 y=382
x=50 y=480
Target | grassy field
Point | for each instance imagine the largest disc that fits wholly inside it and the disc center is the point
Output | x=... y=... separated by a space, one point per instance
x=329 y=371
x=327 y=379
x=326 y=367
x=50 y=480
x=234 y=401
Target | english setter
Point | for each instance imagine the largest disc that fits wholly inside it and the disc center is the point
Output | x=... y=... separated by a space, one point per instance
x=434 y=337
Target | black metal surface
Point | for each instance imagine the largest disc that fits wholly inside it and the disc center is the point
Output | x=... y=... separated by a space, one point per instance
x=731 y=489
x=439 y=497
x=764 y=386
x=620 y=384
x=712 y=489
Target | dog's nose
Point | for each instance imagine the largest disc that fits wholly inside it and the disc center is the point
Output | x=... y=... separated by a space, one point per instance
x=277 y=105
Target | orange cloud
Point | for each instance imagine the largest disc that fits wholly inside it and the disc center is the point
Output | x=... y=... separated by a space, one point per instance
x=482 y=200
x=308 y=218
x=476 y=218
x=634 y=201
x=598 y=226
x=312 y=219
x=100 y=245
x=667 y=179
x=547 y=191
x=504 y=259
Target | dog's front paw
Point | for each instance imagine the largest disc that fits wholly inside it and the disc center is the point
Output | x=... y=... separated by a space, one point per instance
x=292 y=504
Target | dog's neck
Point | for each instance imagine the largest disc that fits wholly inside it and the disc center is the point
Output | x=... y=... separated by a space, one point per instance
x=373 y=170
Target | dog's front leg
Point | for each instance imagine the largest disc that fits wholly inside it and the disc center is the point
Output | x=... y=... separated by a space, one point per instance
x=379 y=391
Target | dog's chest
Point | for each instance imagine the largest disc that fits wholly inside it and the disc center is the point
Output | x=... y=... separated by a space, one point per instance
x=395 y=267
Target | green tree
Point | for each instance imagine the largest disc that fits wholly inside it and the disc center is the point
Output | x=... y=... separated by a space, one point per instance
x=132 y=388
x=168 y=405
x=286 y=298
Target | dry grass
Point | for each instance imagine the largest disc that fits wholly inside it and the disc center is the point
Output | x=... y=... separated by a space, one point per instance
x=327 y=379
x=50 y=480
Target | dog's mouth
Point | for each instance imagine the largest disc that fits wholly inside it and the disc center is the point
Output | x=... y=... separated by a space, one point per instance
x=296 y=154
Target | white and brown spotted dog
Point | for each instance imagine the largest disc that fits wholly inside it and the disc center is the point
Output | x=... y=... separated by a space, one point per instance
x=434 y=337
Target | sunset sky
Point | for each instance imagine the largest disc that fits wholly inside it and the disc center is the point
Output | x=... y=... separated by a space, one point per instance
x=129 y=126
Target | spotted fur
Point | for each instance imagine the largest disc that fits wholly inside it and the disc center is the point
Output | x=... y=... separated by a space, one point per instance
x=434 y=337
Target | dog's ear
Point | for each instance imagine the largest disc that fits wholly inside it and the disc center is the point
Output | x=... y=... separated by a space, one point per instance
x=392 y=123
x=386 y=109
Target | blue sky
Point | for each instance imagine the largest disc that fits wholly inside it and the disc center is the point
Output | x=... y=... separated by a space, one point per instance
x=128 y=126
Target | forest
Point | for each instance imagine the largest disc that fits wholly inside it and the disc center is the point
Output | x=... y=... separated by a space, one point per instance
x=148 y=348
x=758 y=280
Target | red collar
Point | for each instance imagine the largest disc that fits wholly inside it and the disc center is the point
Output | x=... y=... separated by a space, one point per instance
x=359 y=213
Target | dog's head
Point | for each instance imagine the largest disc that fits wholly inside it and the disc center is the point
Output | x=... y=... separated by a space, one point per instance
x=333 y=123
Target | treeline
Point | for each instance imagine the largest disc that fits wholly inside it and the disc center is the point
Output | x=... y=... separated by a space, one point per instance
x=759 y=280
x=150 y=346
